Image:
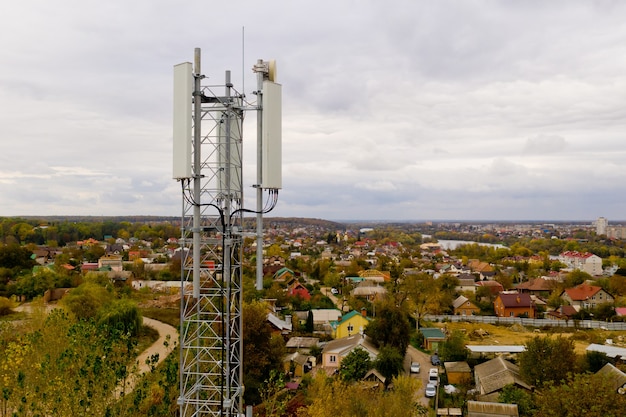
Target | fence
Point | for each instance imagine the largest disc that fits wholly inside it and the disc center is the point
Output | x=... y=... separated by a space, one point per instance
x=578 y=324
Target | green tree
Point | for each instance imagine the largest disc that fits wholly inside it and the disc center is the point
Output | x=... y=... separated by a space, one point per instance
x=355 y=365
x=389 y=363
x=547 y=359
x=85 y=300
x=510 y=394
x=453 y=348
x=581 y=395
x=309 y=322
x=390 y=327
x=122 y=315
x=261 y=352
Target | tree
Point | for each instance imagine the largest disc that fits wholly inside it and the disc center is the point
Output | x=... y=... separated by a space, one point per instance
x=309 y=327
x=453 y=348
x=355 y=365
x=121 y=315
x=390 y=328
x=261 y=352
x=581 y=395
x=85 y=300
x=510 y=394
x=389 y=363
x=333 y=397
x=547 y=360
x=421 y=294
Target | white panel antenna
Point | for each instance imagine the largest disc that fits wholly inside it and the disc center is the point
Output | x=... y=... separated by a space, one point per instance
x=272 y=136
x=183 y=90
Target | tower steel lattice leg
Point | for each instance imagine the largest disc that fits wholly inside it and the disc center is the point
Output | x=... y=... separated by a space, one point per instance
x=211 y=248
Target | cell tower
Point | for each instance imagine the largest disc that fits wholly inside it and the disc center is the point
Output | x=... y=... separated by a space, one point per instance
x=208 y=125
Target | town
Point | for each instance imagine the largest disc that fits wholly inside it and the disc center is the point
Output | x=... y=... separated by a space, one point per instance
x=424 y=318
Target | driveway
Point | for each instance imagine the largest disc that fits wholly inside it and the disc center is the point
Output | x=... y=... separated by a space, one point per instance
x=415 y=355
x=336 y=300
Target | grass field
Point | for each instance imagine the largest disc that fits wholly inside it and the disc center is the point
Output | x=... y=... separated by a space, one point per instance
x=488 y=334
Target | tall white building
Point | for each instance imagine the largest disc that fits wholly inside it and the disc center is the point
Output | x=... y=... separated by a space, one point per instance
x=601 y=225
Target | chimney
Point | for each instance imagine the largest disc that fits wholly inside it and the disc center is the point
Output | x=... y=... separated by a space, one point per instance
x=364 y=312
x=518 y=299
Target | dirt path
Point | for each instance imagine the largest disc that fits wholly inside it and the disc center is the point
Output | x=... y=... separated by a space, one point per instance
x=167 y=336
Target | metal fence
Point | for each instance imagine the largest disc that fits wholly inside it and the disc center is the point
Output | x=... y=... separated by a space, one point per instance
x=578 y=324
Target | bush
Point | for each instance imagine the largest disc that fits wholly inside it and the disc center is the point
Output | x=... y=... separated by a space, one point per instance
x=6 y=306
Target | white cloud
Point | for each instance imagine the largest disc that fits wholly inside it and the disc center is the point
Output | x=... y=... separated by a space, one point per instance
x=424 y=110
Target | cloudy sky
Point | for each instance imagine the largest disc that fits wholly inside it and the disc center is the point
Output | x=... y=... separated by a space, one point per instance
x=392 y=110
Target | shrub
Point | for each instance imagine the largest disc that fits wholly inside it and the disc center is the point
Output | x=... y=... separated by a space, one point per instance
x=6 y=306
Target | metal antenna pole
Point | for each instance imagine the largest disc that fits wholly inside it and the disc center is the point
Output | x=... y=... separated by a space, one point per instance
x=197 y=172
x=259 y=176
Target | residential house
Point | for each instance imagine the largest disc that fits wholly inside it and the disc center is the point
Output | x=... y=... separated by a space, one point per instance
x=562 y=313
x=323 y=317
x=514 y=305
x=282 y=326
x=492 y=376
x=284 y=274
x=297 y=364
x=494 y=286
x=336 y=350
x=296 y=289
x=111 y=262
x=483 y=269
x=375 y=275
x=349 y=324
x=369 y=291
x=584 y=261
x=464 y=307
x=301 y=343
x=373 y=380
x=467 y=283
x=458 y=372
x=585 y=296
x=540 y=287
x=433 y=336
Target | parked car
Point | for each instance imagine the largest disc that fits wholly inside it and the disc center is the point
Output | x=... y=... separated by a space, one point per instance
x=415 y=367
x=431 y=390
x=433 y=376
x=434 y=360
x=334 y=290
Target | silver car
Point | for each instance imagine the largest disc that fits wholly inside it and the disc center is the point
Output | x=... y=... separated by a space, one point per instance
x=431 y=390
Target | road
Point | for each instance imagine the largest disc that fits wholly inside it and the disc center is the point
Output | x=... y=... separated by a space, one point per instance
x=336 y=300
x=415 y=355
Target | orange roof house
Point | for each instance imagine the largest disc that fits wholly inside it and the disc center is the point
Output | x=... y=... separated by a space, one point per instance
x=586 y=296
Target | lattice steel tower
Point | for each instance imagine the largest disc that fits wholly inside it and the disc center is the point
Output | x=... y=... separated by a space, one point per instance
x=208 y=122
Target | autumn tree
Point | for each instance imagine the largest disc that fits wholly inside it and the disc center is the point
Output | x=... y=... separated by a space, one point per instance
x=547 y=360
x=422 y=294
x=334 y=397
x=581 y=395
